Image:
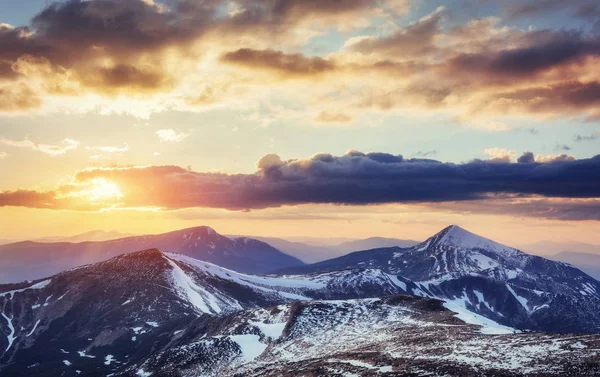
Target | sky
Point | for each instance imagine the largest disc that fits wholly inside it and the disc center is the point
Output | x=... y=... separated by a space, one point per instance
x=291 y=118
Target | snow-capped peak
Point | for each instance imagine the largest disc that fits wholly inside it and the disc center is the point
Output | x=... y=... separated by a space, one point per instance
x=456 y=236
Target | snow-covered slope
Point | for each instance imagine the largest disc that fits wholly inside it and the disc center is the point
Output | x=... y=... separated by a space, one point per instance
x=154 y=313
x=488 y=278
x=119 y=301
x=396 y=336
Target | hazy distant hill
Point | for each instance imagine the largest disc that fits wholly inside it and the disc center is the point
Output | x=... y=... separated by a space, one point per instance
x=34 y=260
x=588 y=263
x=318 y=250
x=94 y=235
x=373 y=243
x=551 y=248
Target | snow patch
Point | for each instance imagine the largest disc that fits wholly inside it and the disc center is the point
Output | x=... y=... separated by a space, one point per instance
x=271 y=330
x=487 y=325
x=10 y=337
x=522 y=300
x=195 y=294
x=33 y=329
x=397 y=281
x=39 y=285
x=84 y=354
x=250 y=345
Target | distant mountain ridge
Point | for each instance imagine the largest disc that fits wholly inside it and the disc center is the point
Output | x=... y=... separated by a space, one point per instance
x=93 y=235
x=373 y=243
x=313 y=253
x=588 y=263
x=34 y=260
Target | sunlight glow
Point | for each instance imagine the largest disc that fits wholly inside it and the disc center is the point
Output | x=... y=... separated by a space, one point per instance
x=101 y=189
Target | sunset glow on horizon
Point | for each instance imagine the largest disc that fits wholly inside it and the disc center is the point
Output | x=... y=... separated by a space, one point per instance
x=294 y=118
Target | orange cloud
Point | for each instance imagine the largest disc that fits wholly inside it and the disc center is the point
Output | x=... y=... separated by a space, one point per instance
x=171 y=55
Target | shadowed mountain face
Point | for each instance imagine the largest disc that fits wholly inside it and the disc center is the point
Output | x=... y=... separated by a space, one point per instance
x=34 y=260
x=154 y=313
x=496 y=281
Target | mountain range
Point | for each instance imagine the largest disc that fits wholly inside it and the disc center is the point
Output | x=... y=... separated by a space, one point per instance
x=455 y=304
x=30 y=260
x=89 y=247
x=154 y=313
x=493 y=280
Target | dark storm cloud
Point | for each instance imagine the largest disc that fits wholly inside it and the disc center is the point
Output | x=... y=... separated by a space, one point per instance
x=526 y=158
x=353 y=179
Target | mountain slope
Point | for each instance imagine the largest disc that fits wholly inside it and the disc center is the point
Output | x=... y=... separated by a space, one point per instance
x=496 y=281
x=154 y=313
x=34 y=260
x=396 y=336
x=137 y=301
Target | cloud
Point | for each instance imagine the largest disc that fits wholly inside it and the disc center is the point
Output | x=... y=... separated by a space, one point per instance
x=122 y=77
x=500 y=154
x=18 y=98
x=415 y=39
x=355 y=178
x=567 y=97
x=543 y=51
x=3 y=155
x=141 y=57
x=110 y=149
x=285 y=64
x=54 y=150
x=544 y=208
x=333 y=117
x=528 y=158
x=586 y=137
x=27 y=198
x=170 y=136
x=584 y=9
x=562 y=147
x=424 y=154
x=550 y=158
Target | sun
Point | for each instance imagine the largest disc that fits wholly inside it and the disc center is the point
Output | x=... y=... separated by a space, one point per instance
x=102 y=189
